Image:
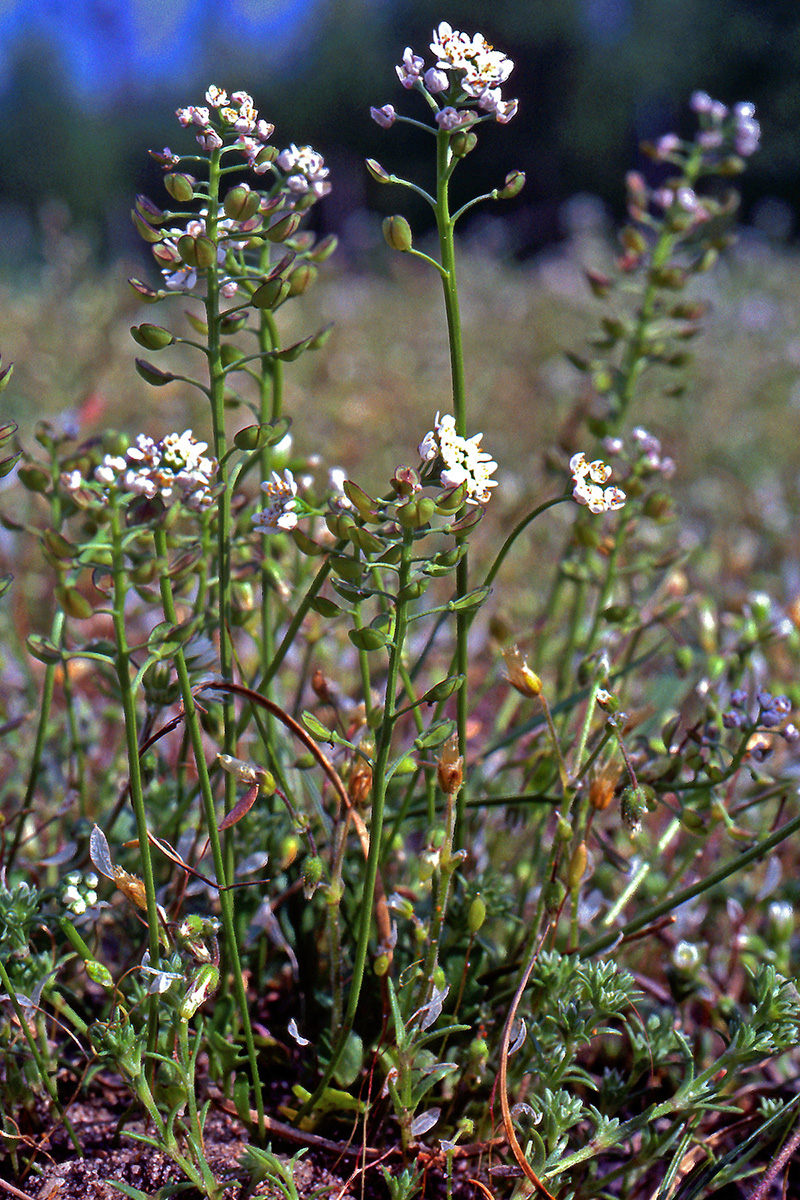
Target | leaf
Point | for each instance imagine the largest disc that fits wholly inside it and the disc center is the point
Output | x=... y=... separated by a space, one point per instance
x=240 y=809
x=425 y=1121
x=100 y=853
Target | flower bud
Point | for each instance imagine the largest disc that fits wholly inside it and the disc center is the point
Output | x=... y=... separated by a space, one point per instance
x=384 y=116
x=397 y=232
x=436 y=80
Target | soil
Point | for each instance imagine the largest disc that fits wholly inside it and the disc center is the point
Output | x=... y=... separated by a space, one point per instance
x=337 y=1172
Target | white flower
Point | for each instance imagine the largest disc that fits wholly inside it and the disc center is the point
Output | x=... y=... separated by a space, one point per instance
x=588 y=479
x=279 y=513
x=175 y=464
x=463 y=461
x=306 y=170
x=217 y=97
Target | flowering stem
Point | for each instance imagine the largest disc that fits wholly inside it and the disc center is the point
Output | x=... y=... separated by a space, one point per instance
x=216 y=392
x=380 y=777
x=444 y=225
x=122 y=664
x=192 y=721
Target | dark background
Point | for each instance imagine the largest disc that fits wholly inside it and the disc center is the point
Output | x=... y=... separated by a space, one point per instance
x=86 y=86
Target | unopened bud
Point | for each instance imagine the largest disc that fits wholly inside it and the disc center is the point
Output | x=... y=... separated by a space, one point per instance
x=577 y=865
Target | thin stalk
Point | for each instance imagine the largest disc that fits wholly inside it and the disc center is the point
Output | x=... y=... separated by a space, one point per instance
x=216 y=394
x=445 y=227
x=36 y=1054
x=192 y=721
x=123 y=664
x=380 y=777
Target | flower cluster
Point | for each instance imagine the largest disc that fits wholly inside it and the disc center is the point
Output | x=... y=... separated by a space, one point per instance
x=722 y=131
x=649 y=458
x=589 y=479
x=772 y=712
x=468 y=75
x=237 y=116
x=306 y=170
x=279 y=514
x=463 y=461
x=179 y=275
x=80 y=892
x=174 y=468
x=721 y=127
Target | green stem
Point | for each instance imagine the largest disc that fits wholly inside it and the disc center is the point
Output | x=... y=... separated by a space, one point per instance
x=652 y=914
x=444 y=225
x=41 y=1065
x=380 y=776
x=123 y=664
x=216 y=393
x=192 y=720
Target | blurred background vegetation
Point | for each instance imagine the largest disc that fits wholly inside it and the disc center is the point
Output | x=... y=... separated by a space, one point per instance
x=88 y=87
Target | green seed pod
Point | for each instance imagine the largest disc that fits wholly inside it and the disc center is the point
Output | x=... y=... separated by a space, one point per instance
x=368 y=639
x=381 y=965
x=476 y=915
x=241 y=203
x=397 y=232
x=515 y=182
x=324 y=248
x=284 y=228
x=553 y=895
x=577 y=865
x=34 y=479
x=98 y=973
x=412 y=591
x=463 y=142
x=302 y=278
x=416 y=512
x=74 y=603
x=149 y=211
x=312 y=875
x=145 y=293
x=151 y=374
x=271 y=293
x=58 y=546
x=145 y=230
x=377 y=172
x=152 y=337
x=180 y=186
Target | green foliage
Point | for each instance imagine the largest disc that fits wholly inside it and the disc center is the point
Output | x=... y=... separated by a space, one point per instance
x=275 y=721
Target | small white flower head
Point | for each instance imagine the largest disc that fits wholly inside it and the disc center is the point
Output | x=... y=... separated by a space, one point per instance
x=278 y=514
x=384 y=116
x=336 y=478
x=481 y=69
x=463 y=460
x=174 y=468
x=217 y=97
x=589 y=479
x=306 y=170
